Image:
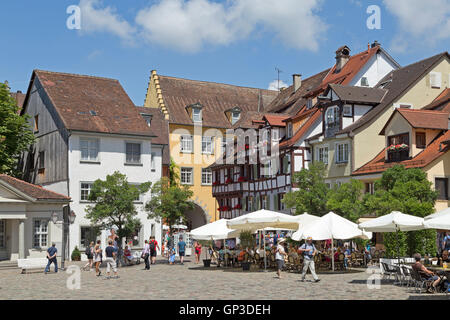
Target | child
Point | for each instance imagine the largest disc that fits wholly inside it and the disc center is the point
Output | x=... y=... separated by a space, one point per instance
x=171 y=255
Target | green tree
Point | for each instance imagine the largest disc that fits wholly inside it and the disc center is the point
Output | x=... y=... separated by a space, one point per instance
x=169 y=202
x=114 y=204
x=311 y=195
x=174 y=177
x=346 y=200
x=15 y=133
x=410 y=192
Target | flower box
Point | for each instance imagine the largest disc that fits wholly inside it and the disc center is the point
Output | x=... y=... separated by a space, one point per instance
x=238 y=206
x=228 y=181
x=215 y=183
x=242 y=179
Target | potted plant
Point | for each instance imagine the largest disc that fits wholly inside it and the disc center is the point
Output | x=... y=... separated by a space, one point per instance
x=247 y=241
x=76 y=255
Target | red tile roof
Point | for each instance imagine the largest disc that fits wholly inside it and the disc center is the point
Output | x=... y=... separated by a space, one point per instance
x=276 y=120
x=433 y=151
x=33 y=191
x=216 y=98
x=87 y=103
x=303 y=129
x=419 y=118
x=442 y=102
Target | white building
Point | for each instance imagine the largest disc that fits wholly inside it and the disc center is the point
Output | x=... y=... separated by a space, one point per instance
x=88 y=128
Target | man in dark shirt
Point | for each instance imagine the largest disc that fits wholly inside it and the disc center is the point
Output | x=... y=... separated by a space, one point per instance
x=110 y=252
x=181 y=249
x=51 y=256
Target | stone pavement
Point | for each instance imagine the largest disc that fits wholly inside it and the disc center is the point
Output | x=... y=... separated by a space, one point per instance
x=191 y=281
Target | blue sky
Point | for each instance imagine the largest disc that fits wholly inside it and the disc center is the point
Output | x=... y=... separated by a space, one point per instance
x=237 y=41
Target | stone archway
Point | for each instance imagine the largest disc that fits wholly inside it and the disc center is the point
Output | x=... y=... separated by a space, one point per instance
x=196 y=217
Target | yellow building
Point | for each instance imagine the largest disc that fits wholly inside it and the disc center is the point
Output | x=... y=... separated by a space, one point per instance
x=199 y=114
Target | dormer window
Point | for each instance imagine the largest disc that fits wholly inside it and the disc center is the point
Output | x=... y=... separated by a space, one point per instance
x=196 y=114
x=332 y=117
x=147 y=118
x=289 y=130
x=364 y=82
x=235 y=116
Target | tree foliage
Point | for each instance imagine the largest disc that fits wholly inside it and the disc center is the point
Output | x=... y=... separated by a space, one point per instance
x=15 y=133
x=410 y=192
x=346 y=200
x=169 y=201
x=115 y=204
x=311 y=195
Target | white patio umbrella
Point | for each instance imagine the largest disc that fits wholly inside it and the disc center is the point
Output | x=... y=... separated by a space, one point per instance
x=394 y=222
x=441 y=222
x=217 y=230
x=331 y=226
x=179 y=226
x=445 y=212
x=261 y=219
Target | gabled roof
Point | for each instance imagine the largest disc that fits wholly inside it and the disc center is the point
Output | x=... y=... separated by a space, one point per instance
x=216 y=98
x=254 y=119
x=291 y=102
x=358 y=94
x=20 y=98
x=433 y=151
x=33 y=191
x=303 y=129
x=276 y=120
x=92 y=104
x=397 y=82
x=424 y=119
x=442 y=102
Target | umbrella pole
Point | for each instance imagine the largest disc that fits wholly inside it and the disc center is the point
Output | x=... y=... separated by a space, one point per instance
x=264 y=248
x=398 y=248
x=332 y=253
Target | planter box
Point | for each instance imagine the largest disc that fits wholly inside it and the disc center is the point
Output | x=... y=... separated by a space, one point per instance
x=207 y=263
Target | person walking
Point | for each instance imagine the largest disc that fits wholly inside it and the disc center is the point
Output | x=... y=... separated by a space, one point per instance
x=51 y=256
x=309 y=251
x=153 y=246
x=110 y=260
x=90 y=256
x=146 y=254
x=280 y=255
x=98 y=258
x=198 y=252
x=181 y=248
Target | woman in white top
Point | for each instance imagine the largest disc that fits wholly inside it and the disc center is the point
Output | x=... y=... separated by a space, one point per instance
x=279 y=256
x=98 y=258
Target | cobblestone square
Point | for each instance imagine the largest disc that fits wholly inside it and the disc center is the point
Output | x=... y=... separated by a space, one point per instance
x=192 y=282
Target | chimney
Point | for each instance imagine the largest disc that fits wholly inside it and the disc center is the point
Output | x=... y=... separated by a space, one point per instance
x=342 y=57
x=297 y=81
x=375 y=44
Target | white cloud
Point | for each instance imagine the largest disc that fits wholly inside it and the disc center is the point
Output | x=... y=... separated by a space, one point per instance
x=96 y=18
x=420 y=21
x=274 y=85
x=190 y=25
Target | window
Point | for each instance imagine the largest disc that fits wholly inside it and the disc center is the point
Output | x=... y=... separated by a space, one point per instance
x=85 y=191
x=281 y=204
x=147 y=118
x=420 y=140
x=196 y=115
x=250 y=204
x=88 y=235
x=441 y=185
x=2 y=233
x=207 y=145
x=332 y=117
x=370 y=187
x=342 y=152
x=206 y=176
x=287 y=164
x=309 y=104
x=153 y=162
x=89 y=149
x=322 y=155
x=41 y=160
x=364 y=82
x=36 y=123
x=186 y=144
x=40 y=236
x=265 y=202
x=396 y=150
x=135 y=239
x=347 y=111
x=139 y=196
x=275 y=134
x=187 y=175
x=435 y=80
x=133 y=151
x=235 y=116
x=289 y=130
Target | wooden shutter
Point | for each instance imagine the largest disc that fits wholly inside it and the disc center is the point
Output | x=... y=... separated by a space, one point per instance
x=441 y=185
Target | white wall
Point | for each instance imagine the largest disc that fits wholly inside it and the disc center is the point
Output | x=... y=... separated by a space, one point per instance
x=374 y=70
x=111 y=158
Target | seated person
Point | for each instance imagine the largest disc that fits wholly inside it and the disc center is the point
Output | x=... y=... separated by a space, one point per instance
x=347 y=254
x=241 y=255
x=336 y=254
x=127 y=255
x=444 y=258
x=424 y=272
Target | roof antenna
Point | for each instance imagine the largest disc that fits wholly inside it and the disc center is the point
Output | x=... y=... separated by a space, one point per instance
x=278 y=71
